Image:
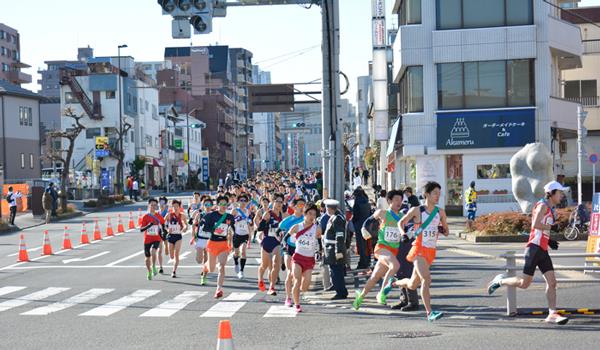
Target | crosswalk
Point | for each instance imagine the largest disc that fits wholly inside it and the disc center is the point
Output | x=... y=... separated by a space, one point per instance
x=156 y=303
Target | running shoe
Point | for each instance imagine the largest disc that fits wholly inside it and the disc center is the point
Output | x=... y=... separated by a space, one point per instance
x=388 y=287
x=173 y=274
x=495 y=284
x=161 y=270
x=382 y=298
x=298 y=308
x=557 y=319
x=261 y=286
x=203 y=280
x=218 y=294
x=272 y=292
x=237 y=268
x=149 y=276
x=358 y=300
x=434 y=316
x=240 y=275
x=154 y=270
x=288 y=302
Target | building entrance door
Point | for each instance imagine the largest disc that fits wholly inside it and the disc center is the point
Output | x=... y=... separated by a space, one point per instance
x=454 y=187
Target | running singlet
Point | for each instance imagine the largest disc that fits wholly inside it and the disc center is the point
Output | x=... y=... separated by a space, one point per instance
x=152 y=234
x=201 y=234
x=389 y=234
x=217 y=233
x=241 y=222
x=272 y=225
x=306 y=244
x=541 y=237
x=287 y=224
x=429 y=235
x=174 y=225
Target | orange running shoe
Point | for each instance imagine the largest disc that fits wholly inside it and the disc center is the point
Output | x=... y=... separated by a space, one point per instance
x=261 y=286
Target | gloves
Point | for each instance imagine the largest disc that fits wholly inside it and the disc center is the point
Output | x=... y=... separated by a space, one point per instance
x=553 y=244
x=339 y=256
x=365 y=233
x=405 y=239
x=554 y=228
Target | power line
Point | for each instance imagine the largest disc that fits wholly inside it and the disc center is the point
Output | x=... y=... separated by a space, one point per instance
x=288 y=54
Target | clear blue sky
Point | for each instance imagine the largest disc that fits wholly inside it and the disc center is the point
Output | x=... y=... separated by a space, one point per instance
x=52 y=30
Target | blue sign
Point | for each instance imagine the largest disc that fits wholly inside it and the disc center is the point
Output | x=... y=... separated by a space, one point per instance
x=105 y=179
x=102 y=153
x=205 y=175
x=485 y=129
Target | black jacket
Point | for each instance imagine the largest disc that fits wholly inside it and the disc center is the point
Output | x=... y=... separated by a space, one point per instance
x=360 y=211
x=334 y=239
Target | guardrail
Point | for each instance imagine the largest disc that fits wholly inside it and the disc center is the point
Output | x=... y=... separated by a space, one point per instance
x=511 y=269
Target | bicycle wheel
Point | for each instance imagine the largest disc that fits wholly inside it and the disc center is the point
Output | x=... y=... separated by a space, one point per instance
x=571 y=233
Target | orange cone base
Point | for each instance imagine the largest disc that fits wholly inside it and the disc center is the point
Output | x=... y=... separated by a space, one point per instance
x=84 y=239
x=23 y=256
x=67 y=244
x=109 y=232
x=97 y=236
x=120 y=229
x=47 y=250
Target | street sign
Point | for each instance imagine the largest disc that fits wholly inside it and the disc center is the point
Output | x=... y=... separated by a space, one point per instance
x=102 y=147
x=178 y=144
x=593 y=158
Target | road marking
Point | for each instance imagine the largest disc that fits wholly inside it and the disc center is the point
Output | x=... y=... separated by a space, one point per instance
x=24 y=300
x=28 y=251
x=229 y=306
x=471 y=253
x=10 y=289
x=85 y=259
x=124 y=259
x=67 y=303
x=42 y=267
x=181 y=257
x=280 y=311
x=122 y=303
x=170 y=307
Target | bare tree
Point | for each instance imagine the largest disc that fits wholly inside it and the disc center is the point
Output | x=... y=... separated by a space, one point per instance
x=117 y=153
x=64 y=155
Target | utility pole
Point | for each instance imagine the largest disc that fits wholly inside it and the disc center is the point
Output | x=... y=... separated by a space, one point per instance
x=581 y=115
x=120 y=164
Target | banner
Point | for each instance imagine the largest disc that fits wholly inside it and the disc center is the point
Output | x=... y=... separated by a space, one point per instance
x=593 y=243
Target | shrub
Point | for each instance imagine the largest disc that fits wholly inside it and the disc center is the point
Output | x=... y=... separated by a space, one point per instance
x=71 y=208
x=513 y=223
x=92 y=203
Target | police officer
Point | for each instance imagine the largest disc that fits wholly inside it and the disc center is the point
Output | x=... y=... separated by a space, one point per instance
x=334 y=241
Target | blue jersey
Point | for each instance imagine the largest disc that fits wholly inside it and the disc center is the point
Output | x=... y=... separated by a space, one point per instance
x=287 y=224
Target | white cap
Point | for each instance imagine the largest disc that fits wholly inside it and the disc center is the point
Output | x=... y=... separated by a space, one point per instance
x=331 y=203
x=554 y=185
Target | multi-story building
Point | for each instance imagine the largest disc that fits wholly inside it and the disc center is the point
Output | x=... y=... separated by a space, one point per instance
x=151 y=68
x=19 y=132
x=10 y=57
x=267 y=132
x=478 y=80
x=240 y=61
x=50 y=81
x=362 y=122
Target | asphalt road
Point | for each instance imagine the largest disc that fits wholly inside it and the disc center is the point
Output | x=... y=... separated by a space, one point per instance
x=96 y=296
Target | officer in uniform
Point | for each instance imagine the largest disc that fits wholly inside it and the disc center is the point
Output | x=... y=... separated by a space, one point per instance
x=334 y=239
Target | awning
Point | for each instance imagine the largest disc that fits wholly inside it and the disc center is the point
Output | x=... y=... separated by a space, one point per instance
x=158 y=162
x=394 y=137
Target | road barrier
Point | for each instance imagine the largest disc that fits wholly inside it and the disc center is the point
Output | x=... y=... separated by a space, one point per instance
x=84 y=236
x=225 y=340
x=23 y=256
x=512 y=268
x=97 y=234
x=47 y=247
x=120 y=227
x=109 y=229
x=67 y=240
x=131 y=224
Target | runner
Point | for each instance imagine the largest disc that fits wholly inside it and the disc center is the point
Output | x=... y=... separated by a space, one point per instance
x=164 y=244
x=243 y=230
x=176 y=222
x=536 y=252
x=221 y=226
x=305 y=235
x=289 y=243
x=151 y=227
x=264 y=207
x=429 y=222
x=270 y=238
x=388 y=242
x=200 y=236
x=196 y=204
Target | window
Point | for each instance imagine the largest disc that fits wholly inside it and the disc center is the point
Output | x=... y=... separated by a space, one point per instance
x=5 y=67
x=3 y=50
x=147 y=105
x=411 y=90
x=493 y=171
x=110 y=94
x=486 y=84
x=70 y=98
x=22 y=160
x=56 y=145
x=25 y=116
x=154 y=112
x=132 y=139
x=455 y=14
x=91 y=133
x=410 y=12
x=30 y=160
x=582 y=91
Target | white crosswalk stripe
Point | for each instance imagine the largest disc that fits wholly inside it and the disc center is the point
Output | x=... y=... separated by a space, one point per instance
x=122 y=303
x=35 y=296
x=72 y=301
x=170 y=307
x=229 y=306
x=10 y=289
x=280 y=311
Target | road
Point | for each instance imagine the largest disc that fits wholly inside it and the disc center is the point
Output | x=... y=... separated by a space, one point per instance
x=96 y=296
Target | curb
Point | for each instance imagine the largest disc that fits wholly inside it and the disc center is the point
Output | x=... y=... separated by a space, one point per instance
x=510 y=239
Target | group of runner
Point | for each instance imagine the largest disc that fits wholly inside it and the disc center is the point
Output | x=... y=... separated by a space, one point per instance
x=276 y=212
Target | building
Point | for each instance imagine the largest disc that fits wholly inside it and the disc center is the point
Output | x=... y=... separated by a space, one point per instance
x=50 y=81
x=267 y=132
x=362 y=121
x=10 y=57
x=151 y=68
x=19 y=133
x=478 y=80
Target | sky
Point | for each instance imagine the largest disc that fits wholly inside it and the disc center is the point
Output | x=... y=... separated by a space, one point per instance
x=53 y=30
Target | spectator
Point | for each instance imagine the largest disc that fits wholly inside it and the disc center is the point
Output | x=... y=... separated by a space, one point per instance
x=360 y=212
x=410 y=200
x=228 y=181
x=365 y=175
x=382 y=201
x=11 y=198
x=130 y=186
x=47 y=203
x=471 y=204
x=54 y=204
x=135 y=187
x=335 y=248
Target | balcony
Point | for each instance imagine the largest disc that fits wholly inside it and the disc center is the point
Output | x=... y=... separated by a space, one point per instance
x=18 y=77
x=564 y=40
x=591 y=46
x=563 y=113
x=586 y=101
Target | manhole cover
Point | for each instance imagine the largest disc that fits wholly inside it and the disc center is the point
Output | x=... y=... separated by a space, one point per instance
x=411 y=335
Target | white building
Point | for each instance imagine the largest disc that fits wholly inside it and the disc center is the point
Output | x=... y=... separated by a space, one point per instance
x=362 y=122
x=150 y=68
x=478 y=80
x=267 y=136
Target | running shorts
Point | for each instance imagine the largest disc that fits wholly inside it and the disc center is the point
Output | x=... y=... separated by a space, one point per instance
x=147 y=246
x=269 y=244
x=305 y=262
x=380 y=246
x=536 y=257
x=471 y=215
x=201 y=243
x=427 y=253
x=239 y=240
x=173 y=238
x=216 y=248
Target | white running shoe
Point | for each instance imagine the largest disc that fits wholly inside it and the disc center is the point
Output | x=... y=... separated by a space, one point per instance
x=557 y=319
x=237 y=269
x=240 y=275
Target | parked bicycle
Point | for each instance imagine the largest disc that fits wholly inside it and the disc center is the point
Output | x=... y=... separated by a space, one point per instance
x=579 y=221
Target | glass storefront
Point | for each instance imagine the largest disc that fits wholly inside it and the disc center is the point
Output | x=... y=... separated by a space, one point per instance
x=454 y=190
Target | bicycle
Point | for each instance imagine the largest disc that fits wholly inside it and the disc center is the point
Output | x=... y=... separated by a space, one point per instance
x=575 y=227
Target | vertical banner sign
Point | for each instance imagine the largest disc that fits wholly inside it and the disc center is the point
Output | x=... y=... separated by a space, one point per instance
x=380 y=71
x=593 y=243
x=205 y=173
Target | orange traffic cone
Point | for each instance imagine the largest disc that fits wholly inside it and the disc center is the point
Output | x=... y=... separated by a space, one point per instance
x=109 y=230
x=120 y=227
x=131 y=225
x=84 y=236
x=23 y=256
x=67 y=240
x=225 y=341
x=139 y=217
x=47 y=249
x=97 y=233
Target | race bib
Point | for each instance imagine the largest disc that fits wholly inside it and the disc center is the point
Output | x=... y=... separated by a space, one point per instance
x=153 y=231
x=174 y=229
x=392 y=234
x=204 y=234
x=241 y=228
x=273 y=232
x=222 y=230
x=429 y=238
x=304 y=243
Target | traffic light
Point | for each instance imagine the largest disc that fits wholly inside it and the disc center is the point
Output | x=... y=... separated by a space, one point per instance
x=298 y=125
x=184 y=5
x=201 y=19
x=168 y=6
x=196 y=126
